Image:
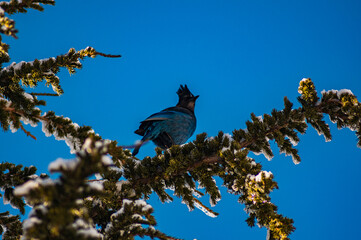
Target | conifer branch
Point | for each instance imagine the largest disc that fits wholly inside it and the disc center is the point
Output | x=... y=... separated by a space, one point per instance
x=187 y=164
x=4 y=55
x=24 y=114
x=280 y=127
x=10 y=226
x=62 y=128
x=7 y=26
x=16 y=6
x=205 y=162
x=31 y=73
x=12 y=175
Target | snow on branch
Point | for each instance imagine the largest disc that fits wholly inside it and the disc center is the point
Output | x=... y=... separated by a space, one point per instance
x=66 y=195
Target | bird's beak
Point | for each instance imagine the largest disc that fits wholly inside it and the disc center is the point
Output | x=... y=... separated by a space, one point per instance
x=195 y=98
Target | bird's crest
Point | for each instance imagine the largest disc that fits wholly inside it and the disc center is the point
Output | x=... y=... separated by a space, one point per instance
x=183 y=91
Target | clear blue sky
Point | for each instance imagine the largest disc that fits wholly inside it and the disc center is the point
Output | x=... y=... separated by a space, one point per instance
x=240 y=57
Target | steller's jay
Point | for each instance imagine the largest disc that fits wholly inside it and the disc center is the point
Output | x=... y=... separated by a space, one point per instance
x=171 y=126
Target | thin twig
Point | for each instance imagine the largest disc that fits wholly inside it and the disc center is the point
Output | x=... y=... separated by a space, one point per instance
x=45 y=94
x=108 y=55
x=95 y=180
x=27 y=132
x=199 y=192
x=22 y=128
x=207 y=208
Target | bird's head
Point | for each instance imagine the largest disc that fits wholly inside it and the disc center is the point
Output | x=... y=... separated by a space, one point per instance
x=186 y=98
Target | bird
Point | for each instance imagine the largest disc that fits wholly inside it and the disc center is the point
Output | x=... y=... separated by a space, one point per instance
x=171 y=126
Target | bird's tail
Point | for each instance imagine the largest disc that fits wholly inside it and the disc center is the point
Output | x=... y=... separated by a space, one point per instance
x=136 y=146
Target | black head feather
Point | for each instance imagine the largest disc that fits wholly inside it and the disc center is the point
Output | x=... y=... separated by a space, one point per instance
x=183 y=91
x=186 y=98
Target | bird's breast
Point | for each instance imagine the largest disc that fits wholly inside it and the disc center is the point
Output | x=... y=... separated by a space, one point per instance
x=180 y=127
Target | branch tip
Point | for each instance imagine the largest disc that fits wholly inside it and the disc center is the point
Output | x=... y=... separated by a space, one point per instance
x=108 y=55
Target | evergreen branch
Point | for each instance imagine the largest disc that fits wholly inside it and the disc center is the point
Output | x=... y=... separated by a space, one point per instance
x=322 y=108
x=19 y=6
x=69 y=196
x=342 y=107
x=23 y=104
x=4 y=55
x=242 y=144
x=347 y=110
x=254 y=195
x=31 y=73
x=11 y=114
x=24 y=114
x=7 y=26
x=198 y=161
x=10 y=226
x=12 y=175
x=280 y=127
x=205 y=162
x=64 y=195
x=62 y=128
x=130 y=219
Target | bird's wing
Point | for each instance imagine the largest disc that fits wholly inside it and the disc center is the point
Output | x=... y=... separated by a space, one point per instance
x=160 y=116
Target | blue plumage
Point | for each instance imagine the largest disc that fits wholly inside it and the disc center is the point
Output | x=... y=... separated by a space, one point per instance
x=171 y=126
